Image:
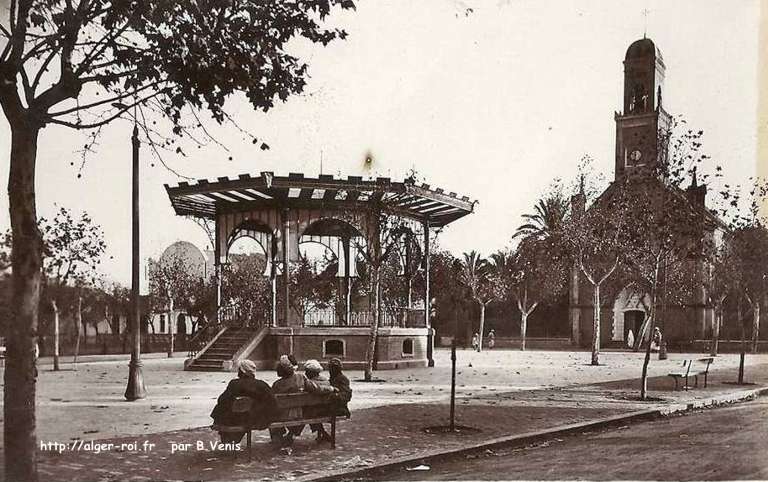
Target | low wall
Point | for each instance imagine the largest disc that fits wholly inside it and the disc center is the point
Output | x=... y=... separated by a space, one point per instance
x=514 y=343
x=109 y=344
x=723 y=346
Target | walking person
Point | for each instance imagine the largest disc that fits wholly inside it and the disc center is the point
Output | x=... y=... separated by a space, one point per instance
x=491 y=339
x=476 y=342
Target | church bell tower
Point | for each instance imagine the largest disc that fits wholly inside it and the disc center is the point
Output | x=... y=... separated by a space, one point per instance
x=641 y=147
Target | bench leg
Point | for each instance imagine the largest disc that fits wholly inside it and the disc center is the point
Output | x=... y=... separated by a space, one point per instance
x=333 y=433
x=675 y=378
x=705 y=380
x=249 y=444
x=686 y=387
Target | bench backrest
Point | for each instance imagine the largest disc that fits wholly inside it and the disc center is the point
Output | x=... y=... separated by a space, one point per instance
x=303 y=399
x=702 y=363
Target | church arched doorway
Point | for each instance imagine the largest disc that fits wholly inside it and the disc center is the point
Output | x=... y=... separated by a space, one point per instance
x=633 y=323
x=630 y=310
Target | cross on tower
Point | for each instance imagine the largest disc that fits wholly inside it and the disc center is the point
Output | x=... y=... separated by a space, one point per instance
x=645 y=13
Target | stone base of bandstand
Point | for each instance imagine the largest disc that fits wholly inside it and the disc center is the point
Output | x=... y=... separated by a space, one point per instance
x=396 y=347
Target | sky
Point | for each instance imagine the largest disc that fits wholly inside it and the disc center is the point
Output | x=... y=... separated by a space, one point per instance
x=491 y=99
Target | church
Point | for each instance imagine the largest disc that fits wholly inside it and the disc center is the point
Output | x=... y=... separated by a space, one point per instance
x=641 y=159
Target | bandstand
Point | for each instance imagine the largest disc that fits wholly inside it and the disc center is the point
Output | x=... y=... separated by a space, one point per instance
x=353 y=220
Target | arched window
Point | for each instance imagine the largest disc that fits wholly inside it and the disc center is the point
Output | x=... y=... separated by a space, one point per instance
x=181 y=324
x=407 y=347
x=333 y=348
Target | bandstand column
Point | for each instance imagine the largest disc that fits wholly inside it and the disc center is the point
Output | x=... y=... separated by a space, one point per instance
x=217 y=268
x=286 y=265
x=273 y=281
x=427 y=307
x=346 y=243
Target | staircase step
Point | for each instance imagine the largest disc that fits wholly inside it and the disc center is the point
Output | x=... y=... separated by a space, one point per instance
x=208 y=361
x=222 y=350
x=216 y=366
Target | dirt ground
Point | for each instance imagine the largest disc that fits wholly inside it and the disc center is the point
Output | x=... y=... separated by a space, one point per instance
x=89 y=402
x=502 y=393
x=716 y=444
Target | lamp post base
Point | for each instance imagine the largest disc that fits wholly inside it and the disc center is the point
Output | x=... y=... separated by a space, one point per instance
x=430 y=347
x=135 y=389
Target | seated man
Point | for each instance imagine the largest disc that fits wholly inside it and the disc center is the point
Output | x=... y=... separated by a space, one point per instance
x=292 y=382
x=313 y=370
x=340 y=382
x=263 y=409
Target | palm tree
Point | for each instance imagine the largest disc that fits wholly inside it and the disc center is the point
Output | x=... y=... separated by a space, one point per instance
x=548 y=217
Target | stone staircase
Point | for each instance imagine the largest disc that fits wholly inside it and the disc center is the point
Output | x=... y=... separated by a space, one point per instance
x=222 y=350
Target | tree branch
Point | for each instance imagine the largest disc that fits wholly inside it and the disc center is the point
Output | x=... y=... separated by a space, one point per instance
x=18 y=31
x=610 y=271
x=120 y=112
x=43 y=68
x=102 y=102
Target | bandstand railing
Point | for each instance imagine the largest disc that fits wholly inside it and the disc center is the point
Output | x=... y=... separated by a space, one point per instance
x=396 y=318
x=231 y=316
x=202 y=337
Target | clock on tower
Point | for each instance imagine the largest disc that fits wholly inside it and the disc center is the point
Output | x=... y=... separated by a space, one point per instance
x=638 y=148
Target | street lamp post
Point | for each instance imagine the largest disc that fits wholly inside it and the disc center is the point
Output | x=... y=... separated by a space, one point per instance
x=135 y=389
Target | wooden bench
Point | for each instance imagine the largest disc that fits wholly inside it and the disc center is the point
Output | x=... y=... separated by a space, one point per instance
x=692 y=368
x=322 y=402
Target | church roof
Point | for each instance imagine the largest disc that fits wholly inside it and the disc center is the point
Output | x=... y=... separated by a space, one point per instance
x=710 y=221
x=643 y=48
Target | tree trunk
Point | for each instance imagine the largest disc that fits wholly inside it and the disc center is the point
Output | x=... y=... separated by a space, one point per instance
x=716 y=330
x=55 y=308
x=482 y=327
x=596 y=326
x=647 y=359
x=743 y=349
x=20 y=375
x=78 y=324
x=641 y=333
x=170 y=328
x=755 y=325
x=523 y=328
x=374 y=332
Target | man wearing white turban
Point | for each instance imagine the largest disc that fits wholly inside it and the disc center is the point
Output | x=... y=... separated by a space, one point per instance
x=263 y=409
x=292 y=382
x=312 y=370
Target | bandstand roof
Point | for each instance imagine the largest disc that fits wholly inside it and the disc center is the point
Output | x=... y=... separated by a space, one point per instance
x=207 y=198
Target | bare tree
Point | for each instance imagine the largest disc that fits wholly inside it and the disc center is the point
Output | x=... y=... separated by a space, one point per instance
x=73 y=250
x=593 y=237
x=720 y=280
x=752 y=243
x=385 y=231
x=663 y=243
x=483 y=282
x=84 y=63
x=539 y=273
